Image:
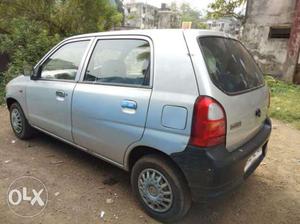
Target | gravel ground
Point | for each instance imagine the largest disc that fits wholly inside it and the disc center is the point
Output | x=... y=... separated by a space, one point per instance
x=81 y=186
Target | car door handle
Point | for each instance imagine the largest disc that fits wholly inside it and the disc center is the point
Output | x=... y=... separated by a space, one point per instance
x=129 y=106
x=60 y=93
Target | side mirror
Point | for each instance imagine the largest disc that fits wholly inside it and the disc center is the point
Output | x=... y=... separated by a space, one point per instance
x=36 y=73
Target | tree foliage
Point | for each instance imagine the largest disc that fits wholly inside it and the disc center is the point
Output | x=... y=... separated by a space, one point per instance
x=63 y=17
x=29 y=28
x=221 y=8
x=25 y=44
x=189 y=14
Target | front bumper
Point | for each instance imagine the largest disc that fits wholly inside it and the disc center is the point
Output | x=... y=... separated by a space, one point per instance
x=211 y=172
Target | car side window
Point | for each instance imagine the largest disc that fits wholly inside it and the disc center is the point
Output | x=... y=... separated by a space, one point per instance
x=120 y=61
x=64 y=63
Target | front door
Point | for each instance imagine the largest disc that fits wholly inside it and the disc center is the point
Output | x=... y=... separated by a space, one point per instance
x=49 y=97
x=110 y=105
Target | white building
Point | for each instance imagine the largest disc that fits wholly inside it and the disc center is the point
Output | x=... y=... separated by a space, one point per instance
x=144 y=16
x=225 y=24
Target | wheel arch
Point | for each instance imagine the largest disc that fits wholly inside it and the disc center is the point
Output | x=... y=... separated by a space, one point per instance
x=139 y=151
x=10 y=101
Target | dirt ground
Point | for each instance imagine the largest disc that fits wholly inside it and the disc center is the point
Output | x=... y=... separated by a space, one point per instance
x=84 y=183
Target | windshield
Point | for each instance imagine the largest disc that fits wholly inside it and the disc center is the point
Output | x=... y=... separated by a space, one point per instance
x=231 y=67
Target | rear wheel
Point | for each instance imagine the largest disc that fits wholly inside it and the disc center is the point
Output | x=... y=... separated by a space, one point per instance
x=160 y=188
x=19 y=123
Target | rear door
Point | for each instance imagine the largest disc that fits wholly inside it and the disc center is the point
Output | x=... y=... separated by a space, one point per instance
x=110 y=103
x=234 y=80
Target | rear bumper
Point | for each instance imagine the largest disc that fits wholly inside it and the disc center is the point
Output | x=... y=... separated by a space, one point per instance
x=211 y=172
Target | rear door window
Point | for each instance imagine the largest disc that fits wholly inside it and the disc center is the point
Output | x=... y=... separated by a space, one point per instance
x=120 y=61
x=230 y=66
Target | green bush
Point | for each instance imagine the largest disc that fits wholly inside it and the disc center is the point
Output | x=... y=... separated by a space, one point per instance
x=28 y=29
x=25 y=45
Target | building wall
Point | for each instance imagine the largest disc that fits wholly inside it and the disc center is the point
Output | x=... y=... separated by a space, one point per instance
x=145 y=16
x=168 y=19
x=270 y=53
x=141 y=16
x=226 y=24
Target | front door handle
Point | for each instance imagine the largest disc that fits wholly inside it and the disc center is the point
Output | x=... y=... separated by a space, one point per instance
x=129 y=106
x=60 y=93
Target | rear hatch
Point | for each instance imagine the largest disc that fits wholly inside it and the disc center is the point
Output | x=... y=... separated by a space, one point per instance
x=238 y=85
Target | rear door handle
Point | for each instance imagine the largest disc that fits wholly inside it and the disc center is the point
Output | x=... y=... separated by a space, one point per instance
x=60 y=95
x=129 y=106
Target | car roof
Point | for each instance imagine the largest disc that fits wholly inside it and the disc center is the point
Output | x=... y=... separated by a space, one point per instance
x=154 y=32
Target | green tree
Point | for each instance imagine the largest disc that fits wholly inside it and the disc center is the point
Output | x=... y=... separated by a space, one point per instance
x=221 y=8
x=63 y=17
x=29 y=28
x=25 y=44
x=191 y=15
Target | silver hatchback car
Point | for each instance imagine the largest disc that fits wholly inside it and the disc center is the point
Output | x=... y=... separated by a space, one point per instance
x=185 y=111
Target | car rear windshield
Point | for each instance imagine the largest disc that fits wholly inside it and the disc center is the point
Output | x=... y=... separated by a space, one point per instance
x=231 y=67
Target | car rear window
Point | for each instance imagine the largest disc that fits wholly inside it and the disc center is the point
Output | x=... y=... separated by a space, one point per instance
x=230 y=66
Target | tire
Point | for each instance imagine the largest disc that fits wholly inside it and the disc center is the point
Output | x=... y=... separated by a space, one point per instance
x=172 y=181
x=19 y=123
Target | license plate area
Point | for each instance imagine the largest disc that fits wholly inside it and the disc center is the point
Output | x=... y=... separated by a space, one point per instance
x=252 y=159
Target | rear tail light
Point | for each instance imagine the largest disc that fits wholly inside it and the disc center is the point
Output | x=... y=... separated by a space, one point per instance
x=209 y=123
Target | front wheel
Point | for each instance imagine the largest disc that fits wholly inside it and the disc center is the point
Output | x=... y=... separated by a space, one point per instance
x=160 y=188
x=19 y=123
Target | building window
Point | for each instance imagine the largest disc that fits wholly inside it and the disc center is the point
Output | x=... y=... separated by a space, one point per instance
x=280 y=32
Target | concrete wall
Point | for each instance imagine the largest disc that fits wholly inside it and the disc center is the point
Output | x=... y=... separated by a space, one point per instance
x=270 y=53
x=140 y=15
x=168 y=19
x=145 y=16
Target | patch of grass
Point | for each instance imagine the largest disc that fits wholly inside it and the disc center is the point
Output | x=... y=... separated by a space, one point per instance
x=285 y=101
